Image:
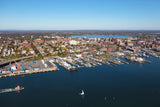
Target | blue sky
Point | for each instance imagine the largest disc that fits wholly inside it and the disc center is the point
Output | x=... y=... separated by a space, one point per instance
x=80 y=14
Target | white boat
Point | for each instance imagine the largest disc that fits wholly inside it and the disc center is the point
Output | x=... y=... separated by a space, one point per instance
x=82 y=93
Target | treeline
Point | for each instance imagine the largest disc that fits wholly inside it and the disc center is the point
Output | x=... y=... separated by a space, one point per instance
x=35 y=49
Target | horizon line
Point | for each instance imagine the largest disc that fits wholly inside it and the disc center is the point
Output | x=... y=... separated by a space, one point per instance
x=79 y=29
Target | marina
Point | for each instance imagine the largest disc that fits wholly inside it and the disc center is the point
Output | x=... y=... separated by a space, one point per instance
x=70 y=63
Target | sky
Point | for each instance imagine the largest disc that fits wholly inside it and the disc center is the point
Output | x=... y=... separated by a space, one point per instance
x=79 y=14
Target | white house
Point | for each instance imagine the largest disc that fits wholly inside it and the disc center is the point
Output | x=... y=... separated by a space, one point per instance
x=73 y=42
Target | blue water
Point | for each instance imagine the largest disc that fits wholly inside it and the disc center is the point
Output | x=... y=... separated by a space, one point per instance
x=133 y=85
x=100 y=36
x=157 y=33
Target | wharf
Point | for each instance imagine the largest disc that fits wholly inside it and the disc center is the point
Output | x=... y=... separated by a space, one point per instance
x=108 y=64
x=48 y=64
x=147 y=61
x=123 y=61
x=115 y=61
x=30 y=72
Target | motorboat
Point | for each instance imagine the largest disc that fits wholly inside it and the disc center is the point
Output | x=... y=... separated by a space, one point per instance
x=18 y=88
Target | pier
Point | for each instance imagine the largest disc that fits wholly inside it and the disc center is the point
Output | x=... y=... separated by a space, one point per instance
x=30 y=72
x=70 y=63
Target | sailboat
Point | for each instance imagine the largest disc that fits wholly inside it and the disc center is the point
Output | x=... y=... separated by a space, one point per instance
x=82 y=93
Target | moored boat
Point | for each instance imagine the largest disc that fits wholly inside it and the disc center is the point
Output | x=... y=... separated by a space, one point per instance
x=72 y=68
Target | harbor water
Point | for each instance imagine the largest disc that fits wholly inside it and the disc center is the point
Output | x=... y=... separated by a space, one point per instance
x=100 y=36
x=127 y=85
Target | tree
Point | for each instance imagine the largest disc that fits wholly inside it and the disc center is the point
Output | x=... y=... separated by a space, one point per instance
x=27 y=49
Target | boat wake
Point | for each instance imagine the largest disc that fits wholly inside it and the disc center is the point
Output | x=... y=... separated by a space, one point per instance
x=6 y=90
x=18 y=88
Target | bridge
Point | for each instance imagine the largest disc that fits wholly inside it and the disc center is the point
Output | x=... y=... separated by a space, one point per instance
x=13 y=60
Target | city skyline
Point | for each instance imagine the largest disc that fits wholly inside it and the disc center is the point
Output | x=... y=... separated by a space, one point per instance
x=79 y=15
